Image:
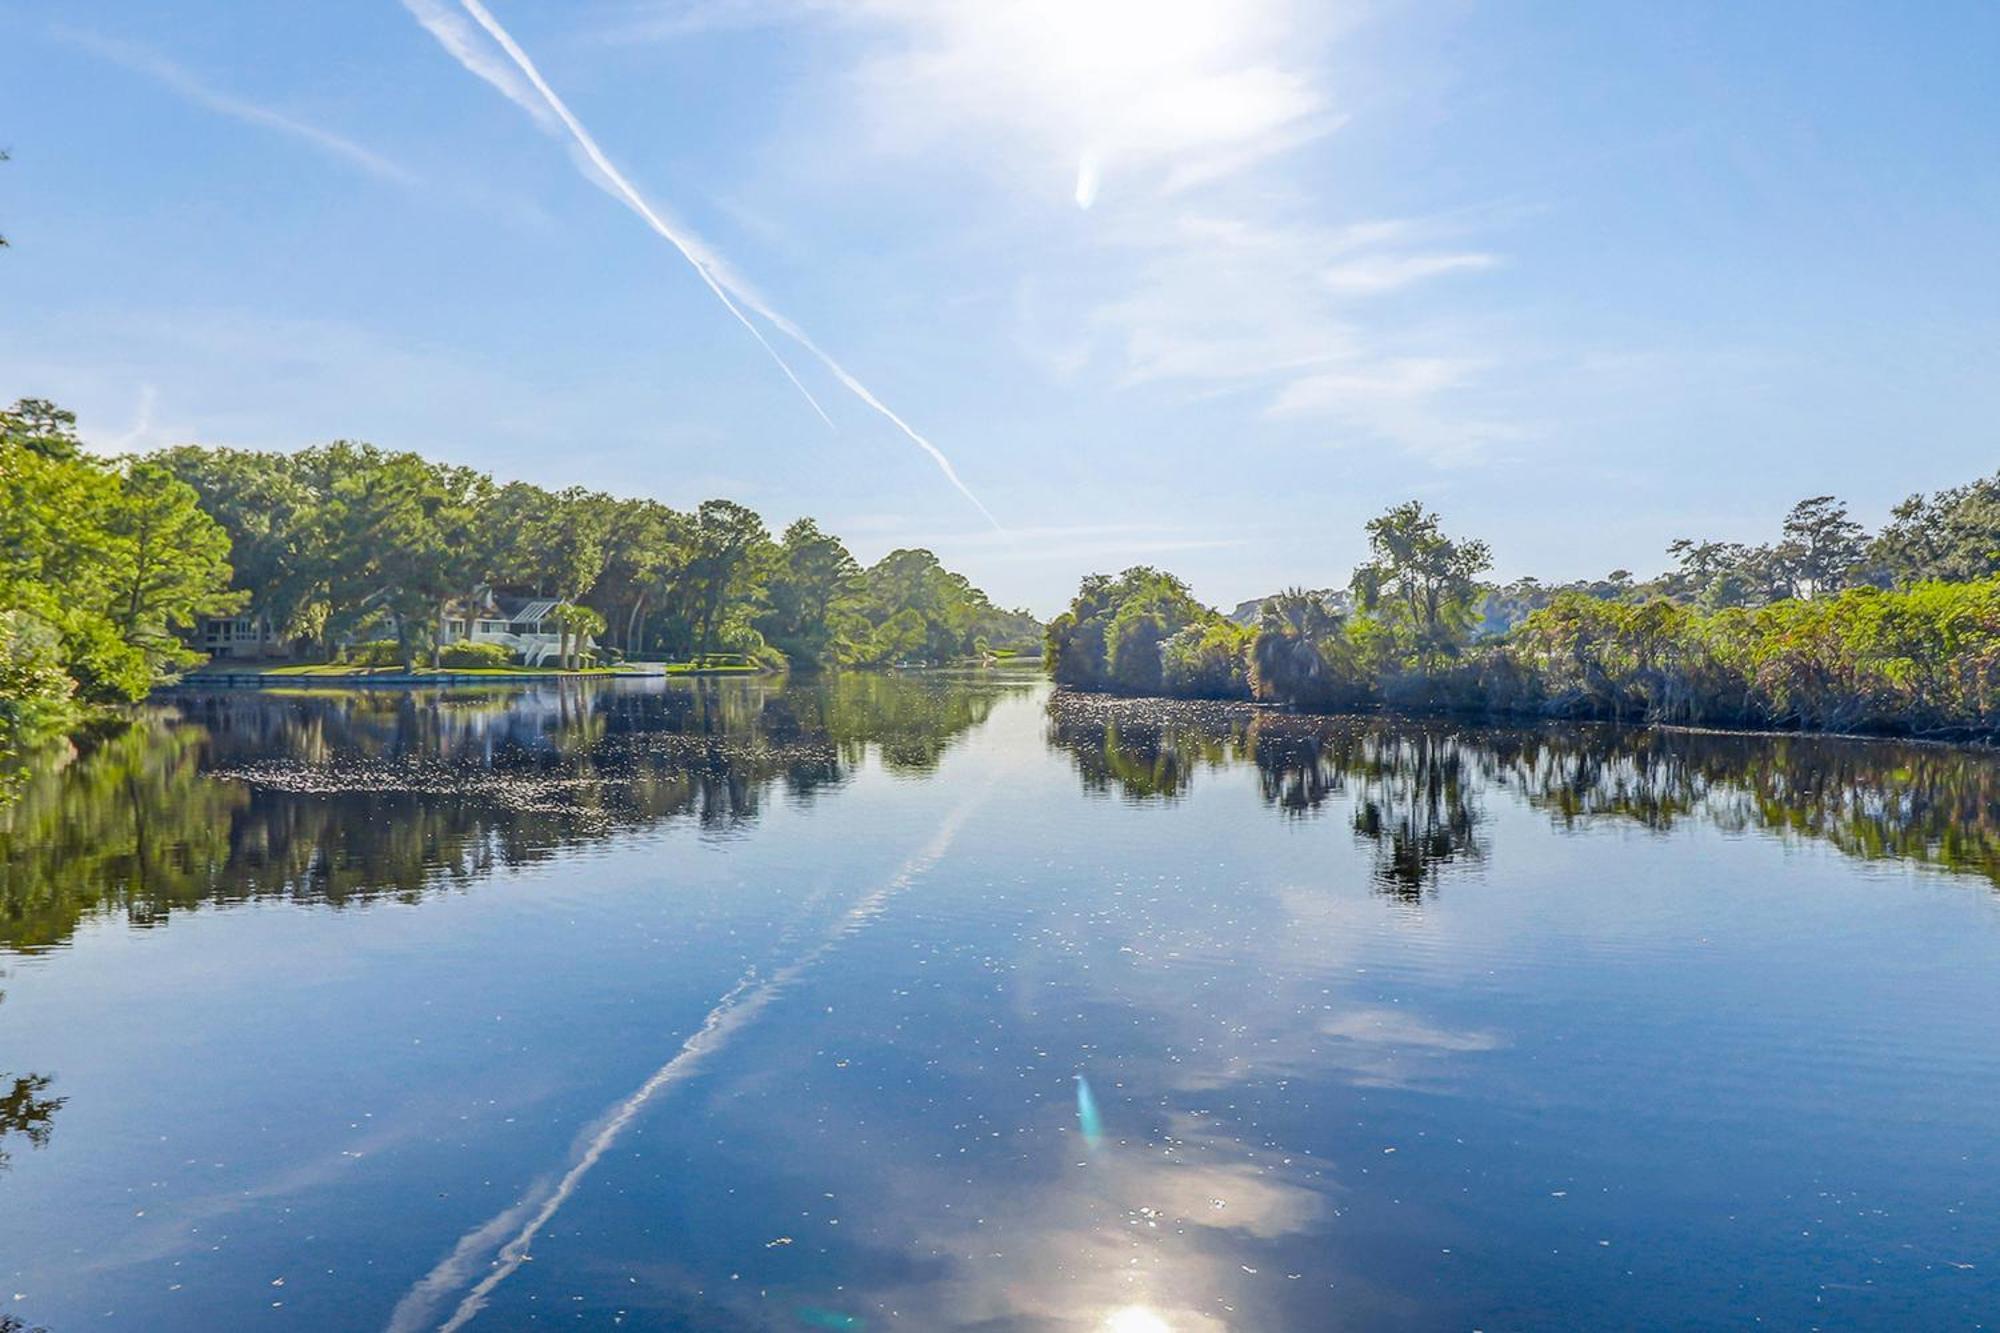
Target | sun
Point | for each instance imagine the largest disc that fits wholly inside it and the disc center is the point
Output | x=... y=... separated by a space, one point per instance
x=1135 y=1319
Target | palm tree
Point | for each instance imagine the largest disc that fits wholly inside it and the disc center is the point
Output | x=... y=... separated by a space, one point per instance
x=1288 y=659
x=578 y=622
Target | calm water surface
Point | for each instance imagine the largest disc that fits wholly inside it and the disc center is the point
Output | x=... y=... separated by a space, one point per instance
x=946 y=1004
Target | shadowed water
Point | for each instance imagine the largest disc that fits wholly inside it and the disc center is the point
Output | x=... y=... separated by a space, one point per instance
x=940 y=1002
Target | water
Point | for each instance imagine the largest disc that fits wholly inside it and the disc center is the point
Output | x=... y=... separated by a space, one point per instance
x=935 y=1003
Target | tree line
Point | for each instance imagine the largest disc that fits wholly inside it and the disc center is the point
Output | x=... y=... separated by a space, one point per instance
x=336 y=540
x=106 y=564
x=1826 y=628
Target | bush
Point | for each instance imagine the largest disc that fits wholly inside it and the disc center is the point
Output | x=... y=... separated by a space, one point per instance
x=36 y=694
x=1207 y=662
x=376 y=653
x=470 y=656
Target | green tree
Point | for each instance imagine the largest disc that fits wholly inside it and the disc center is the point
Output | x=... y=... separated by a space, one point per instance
x=1821 y=545
x=646 y=545
x=111 y=559
x=1300 y=654
x=577 y=623
x=811 y=595
x=730 y=555
x=1953 y=536
x=1111 y=636
x=38 y=424
x=268 y=508
x=1421 y=582
x=169 y=565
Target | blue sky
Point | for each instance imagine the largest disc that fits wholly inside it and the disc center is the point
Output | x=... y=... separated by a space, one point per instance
x=1200 y=283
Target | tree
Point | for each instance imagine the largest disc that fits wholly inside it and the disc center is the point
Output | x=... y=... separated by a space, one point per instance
x=38 y=424
x=1299 y=653
x=169 y=566
x=730 y=554
x=265 y=504
x=1953 y=535
x=811 y=594
x=1821 y=545
x=1420 y=581
x=1113 y=633
x=109 y=559
x=576 y=623
x=646 y=545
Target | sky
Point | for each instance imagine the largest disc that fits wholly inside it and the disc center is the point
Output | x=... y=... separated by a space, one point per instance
x=1048 y=286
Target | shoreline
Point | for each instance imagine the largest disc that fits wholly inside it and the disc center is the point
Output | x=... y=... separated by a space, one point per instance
x=251 y=680
x=1967 y=740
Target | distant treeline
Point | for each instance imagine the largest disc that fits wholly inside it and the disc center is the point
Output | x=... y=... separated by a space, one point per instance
x=1825 y=629
x=106 y=564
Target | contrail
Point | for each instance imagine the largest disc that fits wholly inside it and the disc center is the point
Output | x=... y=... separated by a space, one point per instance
x=622 y=187
x=744 y=1001
x=728 y=289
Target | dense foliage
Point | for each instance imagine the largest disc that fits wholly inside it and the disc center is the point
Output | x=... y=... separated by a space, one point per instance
x=102 y=563
x=346 y=540
x=1826 y=629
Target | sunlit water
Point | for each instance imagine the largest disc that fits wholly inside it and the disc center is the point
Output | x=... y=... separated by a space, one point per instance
x=943 y=1004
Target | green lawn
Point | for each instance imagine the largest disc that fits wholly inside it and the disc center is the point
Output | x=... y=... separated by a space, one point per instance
x=712 y=669
x=309 y=670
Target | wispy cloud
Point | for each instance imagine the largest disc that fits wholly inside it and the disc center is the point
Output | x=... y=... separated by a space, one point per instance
x=1384 y=273
x=1210 y=266
x=735 y=294
x=184 y=84
x=1110 y=95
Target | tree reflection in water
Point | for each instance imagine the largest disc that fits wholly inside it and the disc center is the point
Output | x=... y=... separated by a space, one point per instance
x=25 y=1111
x=333 y=797
x=1415 y=790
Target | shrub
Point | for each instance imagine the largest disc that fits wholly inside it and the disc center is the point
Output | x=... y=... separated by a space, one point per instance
x=469 y=656
x=1207 y=662
x=376 y=653
x=36 y=694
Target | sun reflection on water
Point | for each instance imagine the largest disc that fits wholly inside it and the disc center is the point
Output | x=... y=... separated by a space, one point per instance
x=1135 y=1319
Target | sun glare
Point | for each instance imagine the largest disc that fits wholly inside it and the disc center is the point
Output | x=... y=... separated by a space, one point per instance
x=1136 y=1319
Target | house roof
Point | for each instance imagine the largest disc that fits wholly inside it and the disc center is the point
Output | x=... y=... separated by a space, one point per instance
x=532 y=611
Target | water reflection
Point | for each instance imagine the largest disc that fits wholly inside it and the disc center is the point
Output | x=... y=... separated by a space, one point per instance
x=332 y=797
x=26 y=1111
x=978 y=1052
x=1415 y=790
x=337 y=796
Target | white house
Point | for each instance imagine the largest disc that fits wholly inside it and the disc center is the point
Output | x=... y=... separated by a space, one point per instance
x=524 y=626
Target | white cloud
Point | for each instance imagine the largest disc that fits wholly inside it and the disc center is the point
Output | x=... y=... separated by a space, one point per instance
x=1212 y=263
x=1100 y=92
x=1383 y=273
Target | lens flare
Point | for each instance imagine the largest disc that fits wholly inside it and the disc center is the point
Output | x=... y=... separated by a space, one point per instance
x=1135 y=1319
x=1087 y=1118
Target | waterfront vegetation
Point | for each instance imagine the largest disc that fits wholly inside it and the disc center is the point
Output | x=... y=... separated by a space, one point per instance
x=1825 y=629
x=353 y=554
